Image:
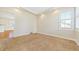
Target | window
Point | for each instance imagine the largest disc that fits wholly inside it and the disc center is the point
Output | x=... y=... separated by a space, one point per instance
x=65 y=20
x=6 y=24
x=69 y=19
x=1 y=28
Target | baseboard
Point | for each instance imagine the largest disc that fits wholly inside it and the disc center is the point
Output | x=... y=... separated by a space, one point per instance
x=50 y=35
x=60 y=37
x=14 y=36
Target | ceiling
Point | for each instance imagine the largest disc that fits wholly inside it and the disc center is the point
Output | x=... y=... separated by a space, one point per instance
x=33 y=10
x=37 y=10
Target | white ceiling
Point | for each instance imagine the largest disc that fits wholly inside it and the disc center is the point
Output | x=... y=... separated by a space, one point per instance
x=37 y=10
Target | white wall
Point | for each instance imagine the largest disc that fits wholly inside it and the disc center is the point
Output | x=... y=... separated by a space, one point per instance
x=48 y=24
x=25 y=24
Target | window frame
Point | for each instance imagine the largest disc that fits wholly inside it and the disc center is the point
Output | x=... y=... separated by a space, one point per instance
x=60 y=21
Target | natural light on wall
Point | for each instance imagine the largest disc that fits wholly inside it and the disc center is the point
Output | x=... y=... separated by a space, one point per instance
x=77 y=19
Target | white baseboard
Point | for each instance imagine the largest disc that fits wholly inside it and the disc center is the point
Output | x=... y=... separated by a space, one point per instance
x=60 y=37
x=20 y=35
x=50 y=35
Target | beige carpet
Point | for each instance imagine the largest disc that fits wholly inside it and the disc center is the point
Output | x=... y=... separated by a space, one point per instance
x=40 y=42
